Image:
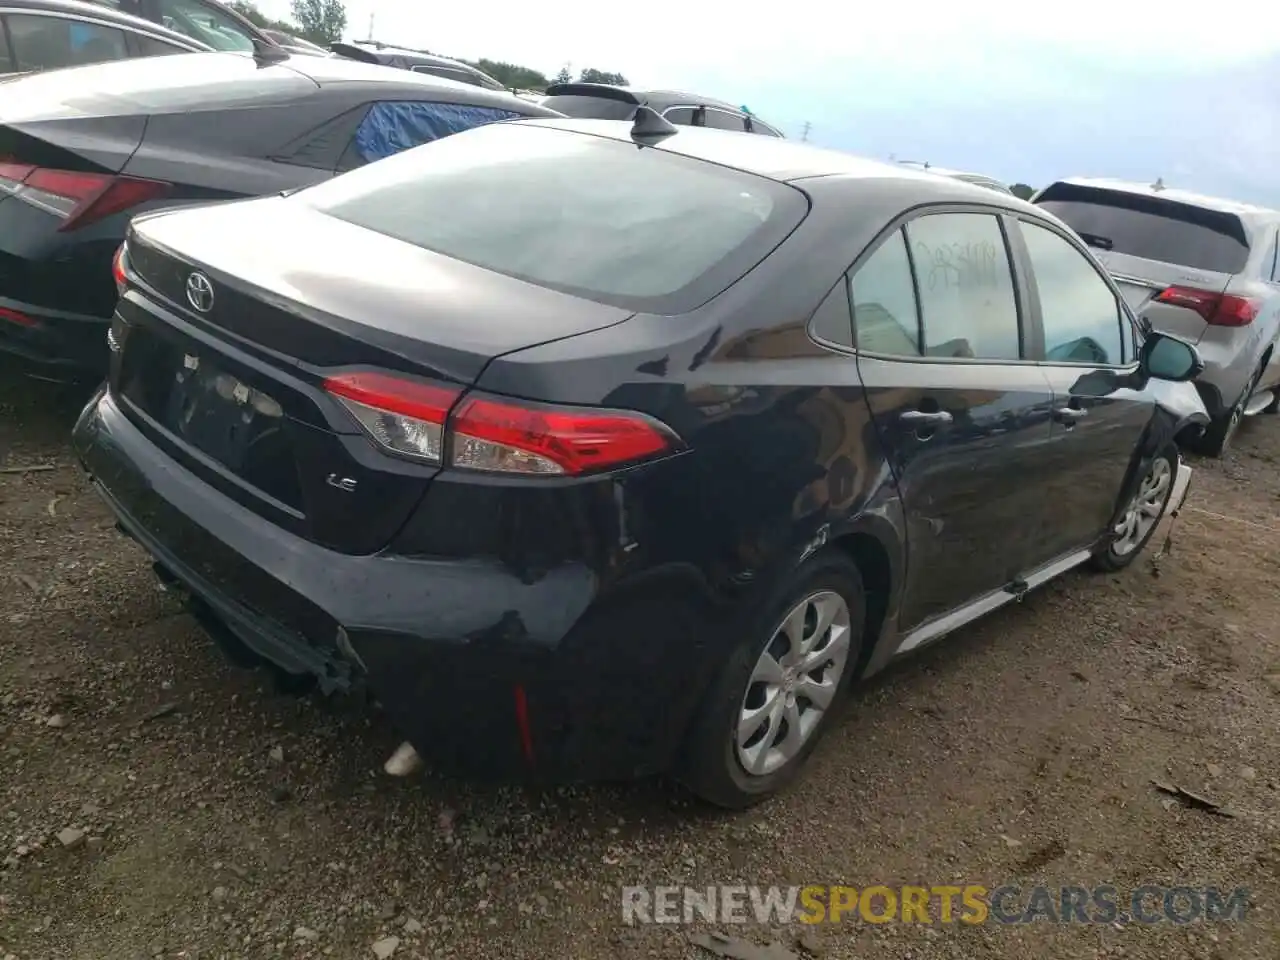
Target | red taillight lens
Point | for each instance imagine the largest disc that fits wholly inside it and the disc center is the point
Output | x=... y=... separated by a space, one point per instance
x=79 y=199
x=118 y=271
x=502 y=436
x=405 y=416
x=495 y=434
x=13 y=316
x=12 y=175
x=1219 y=309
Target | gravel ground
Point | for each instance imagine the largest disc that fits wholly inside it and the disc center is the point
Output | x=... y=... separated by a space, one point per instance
x=213 y=816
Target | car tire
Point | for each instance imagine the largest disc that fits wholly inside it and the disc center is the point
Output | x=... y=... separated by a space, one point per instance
x=1217 y=436
x=1146 y=508
x=722 y=761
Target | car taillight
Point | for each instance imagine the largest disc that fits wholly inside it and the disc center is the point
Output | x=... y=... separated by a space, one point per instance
x=1219 y=309
x=118 y=271
x=496 y=434
x=12 y=175
x=78 y=199
x=505 y=436
x=405 y=416
x=13 y=316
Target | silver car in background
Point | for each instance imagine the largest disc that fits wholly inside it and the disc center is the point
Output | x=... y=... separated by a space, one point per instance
x=1201 y=268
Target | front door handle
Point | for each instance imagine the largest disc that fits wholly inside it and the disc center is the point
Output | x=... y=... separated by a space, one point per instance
x=1069 y=415
x=925 y=418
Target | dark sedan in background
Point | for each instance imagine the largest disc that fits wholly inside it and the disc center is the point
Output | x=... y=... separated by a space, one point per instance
x=638 y=468
x=85 y=149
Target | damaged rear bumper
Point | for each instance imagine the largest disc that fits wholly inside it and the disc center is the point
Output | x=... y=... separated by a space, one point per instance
x=486 y=674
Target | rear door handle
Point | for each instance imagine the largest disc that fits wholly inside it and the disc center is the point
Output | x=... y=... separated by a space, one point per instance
x=925 y=418
x=1069 y=414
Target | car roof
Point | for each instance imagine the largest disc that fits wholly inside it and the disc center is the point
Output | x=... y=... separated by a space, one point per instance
x=1157 y=189
x=428 y=59
x=333 y=70
x=783 y=160
x=659 y=99
x=124 y=87
x=106 y=14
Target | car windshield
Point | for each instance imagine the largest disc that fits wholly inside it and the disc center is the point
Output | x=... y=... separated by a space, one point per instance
x=1150 y=227
x=584 y=214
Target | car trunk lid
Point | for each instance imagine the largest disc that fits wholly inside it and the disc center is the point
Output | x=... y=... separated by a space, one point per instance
x=1172 y=260
x=233 y=383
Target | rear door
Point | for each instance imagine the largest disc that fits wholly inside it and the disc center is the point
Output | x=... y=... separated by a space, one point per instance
x=963 y=418
x=1100 y=410
x=1171 y=260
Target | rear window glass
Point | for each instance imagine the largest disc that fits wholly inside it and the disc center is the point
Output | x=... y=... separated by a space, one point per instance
x=640 y=228
x=590 y=108
x=1150 y=228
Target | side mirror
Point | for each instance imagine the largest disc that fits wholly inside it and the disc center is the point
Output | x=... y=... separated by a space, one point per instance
x=1168 y=358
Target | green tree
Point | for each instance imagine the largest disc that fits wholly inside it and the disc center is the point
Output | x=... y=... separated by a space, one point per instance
x=255 y=16
x=322 y=21
x=592 y=75
x=511 y=75
x=1022 y=191
x=564 y=76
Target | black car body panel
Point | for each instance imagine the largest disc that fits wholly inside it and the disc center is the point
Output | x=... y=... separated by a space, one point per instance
x=569 y=626
x=210 y=127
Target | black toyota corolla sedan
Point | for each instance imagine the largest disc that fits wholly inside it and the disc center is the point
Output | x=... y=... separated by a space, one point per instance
x=599 y=449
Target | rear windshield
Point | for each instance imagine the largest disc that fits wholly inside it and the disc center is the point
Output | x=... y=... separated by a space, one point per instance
x=640 y=228
x=590 y=108
x=1151 y=228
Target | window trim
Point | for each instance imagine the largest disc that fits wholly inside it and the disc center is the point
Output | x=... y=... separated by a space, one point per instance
x=1027 y=324
x=695 y=107
x=1124 y=315
x=4 y=37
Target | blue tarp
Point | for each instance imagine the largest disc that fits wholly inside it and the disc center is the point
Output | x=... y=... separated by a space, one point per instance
x=389 y=128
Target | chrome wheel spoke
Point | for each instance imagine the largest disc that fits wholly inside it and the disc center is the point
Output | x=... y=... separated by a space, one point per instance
x=752 y=721
x=767 y=670
x=820 y=693
x=833 y=651
x=793 y=683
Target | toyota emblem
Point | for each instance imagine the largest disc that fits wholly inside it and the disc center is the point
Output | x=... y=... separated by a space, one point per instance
x=200 y=292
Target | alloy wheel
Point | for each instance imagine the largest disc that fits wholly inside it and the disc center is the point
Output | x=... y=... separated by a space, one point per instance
x=1237 y=412
x=794 y=683
x=1145 y=509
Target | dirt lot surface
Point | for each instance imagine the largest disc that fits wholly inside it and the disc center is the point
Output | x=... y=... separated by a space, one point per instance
x=222 y=818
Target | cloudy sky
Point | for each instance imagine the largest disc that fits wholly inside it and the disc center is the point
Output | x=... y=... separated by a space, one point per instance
x=1023 y=91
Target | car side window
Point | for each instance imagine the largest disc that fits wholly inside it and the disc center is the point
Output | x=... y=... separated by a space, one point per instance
x=391 y=126
x=762 y=129
x=883 y=294
x=831 y=321
x=151 y=47
x=47 y=43
x=723 y=120
x=6 y=62
x=968 y=305
x=682 y=116
x=199 y=21
x=1081 y=315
